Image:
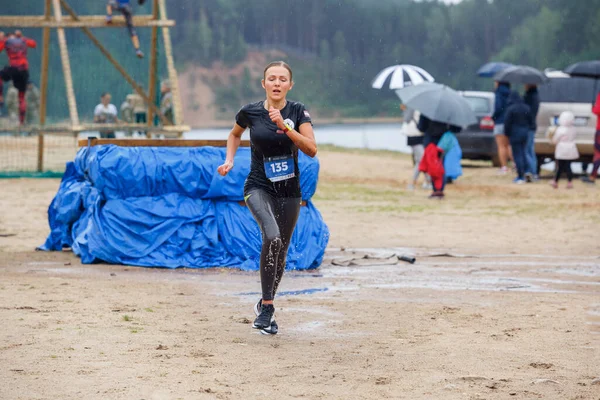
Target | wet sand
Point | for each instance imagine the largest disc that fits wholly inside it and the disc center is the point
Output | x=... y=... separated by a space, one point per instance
x=501 y=303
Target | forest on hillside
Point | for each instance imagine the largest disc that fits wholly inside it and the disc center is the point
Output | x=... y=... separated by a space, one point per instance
x=336 y=47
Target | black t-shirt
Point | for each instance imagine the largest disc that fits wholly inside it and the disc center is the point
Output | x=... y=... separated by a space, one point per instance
x=272 y=150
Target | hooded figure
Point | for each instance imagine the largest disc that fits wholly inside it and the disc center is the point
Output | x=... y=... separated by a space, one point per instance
x=517 y=123
x=502 y=93
x=564 y=138
x=566 y=149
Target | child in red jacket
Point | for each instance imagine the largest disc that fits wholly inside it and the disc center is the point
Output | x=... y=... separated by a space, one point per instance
x=432 y=164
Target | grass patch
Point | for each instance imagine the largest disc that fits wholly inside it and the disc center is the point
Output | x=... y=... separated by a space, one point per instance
x=148 y=310
x=127 y=318
x=393 y=208
x=366 y=152
x=355 y=191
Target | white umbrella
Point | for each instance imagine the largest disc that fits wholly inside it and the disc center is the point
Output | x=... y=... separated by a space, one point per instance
x=401 y=76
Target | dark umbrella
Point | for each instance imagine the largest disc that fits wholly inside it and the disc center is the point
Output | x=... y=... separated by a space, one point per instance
x=490 y=69
x=438 y=103
x=586 y=69
x=521 y=74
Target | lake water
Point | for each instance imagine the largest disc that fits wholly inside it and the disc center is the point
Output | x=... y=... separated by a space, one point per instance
x=359 y=136
x=356 y=136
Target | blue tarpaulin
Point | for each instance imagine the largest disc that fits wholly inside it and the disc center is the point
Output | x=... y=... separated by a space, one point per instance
x=167 y=207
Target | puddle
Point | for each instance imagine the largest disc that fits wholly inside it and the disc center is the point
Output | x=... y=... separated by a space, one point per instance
x=288 y=293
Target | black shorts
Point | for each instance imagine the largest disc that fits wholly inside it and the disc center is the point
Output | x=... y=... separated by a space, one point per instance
x=19 y=76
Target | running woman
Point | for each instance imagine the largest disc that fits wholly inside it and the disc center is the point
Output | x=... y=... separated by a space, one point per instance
x=278 y=129
x=125 y=8
x=17 y=70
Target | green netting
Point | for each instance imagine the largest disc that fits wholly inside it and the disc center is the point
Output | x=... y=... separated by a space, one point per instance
x=29 y=174
x=19 y=155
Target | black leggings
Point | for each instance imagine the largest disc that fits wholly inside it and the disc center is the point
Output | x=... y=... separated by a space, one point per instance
x=126 y=11
x=276 y=218
x=564 y=166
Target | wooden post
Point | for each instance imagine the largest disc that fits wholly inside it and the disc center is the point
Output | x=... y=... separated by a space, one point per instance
x=153 y=64
x=40 y=160
x=64 y=55
x=114 y=62
x=44 y=85
x=45 y=58
x=177 y=109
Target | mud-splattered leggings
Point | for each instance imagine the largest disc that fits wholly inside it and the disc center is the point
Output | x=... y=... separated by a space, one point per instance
x=277 y=219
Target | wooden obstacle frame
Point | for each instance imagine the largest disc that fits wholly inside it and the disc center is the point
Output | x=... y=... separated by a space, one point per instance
x=54 y=19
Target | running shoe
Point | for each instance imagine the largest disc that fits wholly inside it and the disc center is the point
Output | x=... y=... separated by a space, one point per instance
x=265 y=318
x=139 y=53
x=274 y=328
x=570 y=185
x=109 y=19
x=586 y=179
x=529 y=177
x=554 y=184
x=518 y=181
x=503 y=171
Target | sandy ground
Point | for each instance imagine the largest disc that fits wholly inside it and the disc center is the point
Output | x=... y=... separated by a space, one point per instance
x=503 y=301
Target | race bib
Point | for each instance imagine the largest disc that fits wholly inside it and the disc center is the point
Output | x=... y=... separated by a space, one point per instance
x=279 y=168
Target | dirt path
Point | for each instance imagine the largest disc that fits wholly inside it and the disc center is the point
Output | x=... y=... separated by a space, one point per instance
x=502 y=302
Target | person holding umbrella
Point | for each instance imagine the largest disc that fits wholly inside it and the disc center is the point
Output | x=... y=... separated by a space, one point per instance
x=596 y=160
x=591 y=70
x=517 y=124
x=442 y=110
x=522 y=74
x=502 y=91
x=532 y=99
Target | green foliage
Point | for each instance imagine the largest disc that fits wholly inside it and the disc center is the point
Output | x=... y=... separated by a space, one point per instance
x=335 y=47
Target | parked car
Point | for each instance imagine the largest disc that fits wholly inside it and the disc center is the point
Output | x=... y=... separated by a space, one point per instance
x=477 y=140
x=563 y=93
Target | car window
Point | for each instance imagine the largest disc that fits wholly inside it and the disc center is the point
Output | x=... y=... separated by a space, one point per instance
x=567 y=90
x=480 y=105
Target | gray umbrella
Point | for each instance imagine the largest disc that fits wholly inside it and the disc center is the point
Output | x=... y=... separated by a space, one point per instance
x=521 y=74
x=438 y=103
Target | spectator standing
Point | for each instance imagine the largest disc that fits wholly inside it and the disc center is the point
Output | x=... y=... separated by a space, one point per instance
x=12 y=104
x=32 y=98
x=502 y=92
x=532 y=99
x=517 y=124
x=596 y=110
x=414 y=139
x=566 y=149
x=106 y=113
x=127 y=110
x=166 y=100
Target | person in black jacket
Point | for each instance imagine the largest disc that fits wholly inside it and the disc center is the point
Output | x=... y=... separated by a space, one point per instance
x=517 y=124
x=501 y=92
x=432 y=130
x=532 y=99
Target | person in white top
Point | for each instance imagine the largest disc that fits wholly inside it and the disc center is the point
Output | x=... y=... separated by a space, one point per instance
x=106 y=113
x=566 y=149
